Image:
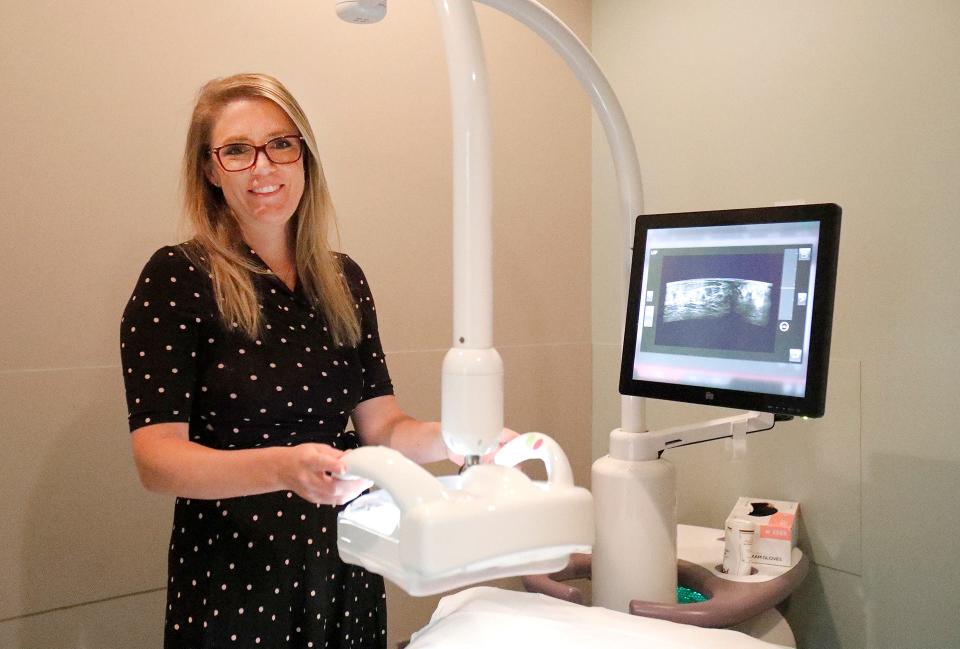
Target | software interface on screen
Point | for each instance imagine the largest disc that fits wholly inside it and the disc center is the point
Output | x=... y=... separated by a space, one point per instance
x=728 y=306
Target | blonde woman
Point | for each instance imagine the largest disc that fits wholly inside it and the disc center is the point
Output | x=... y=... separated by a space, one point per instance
x=245 y=350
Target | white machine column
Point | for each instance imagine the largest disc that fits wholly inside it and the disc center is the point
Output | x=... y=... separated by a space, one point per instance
x=635 y=508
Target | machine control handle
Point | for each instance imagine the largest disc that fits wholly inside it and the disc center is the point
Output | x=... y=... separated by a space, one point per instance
x=537 y=446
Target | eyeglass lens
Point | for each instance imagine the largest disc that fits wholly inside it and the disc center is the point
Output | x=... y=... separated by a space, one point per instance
x=239 y=156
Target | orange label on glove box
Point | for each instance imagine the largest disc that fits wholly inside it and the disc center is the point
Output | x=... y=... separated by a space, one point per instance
x=778 y=527
x=771 y=532
x=781 y=519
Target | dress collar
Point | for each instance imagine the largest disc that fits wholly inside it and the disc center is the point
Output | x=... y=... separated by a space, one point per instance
x=267 y=272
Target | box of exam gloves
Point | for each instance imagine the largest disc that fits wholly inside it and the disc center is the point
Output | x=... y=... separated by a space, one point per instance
x=776 y=528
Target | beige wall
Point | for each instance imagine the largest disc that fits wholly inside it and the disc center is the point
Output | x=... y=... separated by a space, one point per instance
x=737 y=104
x=96 y=100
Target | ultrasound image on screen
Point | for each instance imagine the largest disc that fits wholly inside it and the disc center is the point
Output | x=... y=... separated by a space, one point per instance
x=717 y=297
x=721 y=302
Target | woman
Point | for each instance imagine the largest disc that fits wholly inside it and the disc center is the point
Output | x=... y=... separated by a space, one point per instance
x=245 y=350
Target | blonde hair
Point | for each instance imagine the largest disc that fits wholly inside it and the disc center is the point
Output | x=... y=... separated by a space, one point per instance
x=216 y=232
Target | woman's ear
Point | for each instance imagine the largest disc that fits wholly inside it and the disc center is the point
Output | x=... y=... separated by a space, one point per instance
x=211 y=175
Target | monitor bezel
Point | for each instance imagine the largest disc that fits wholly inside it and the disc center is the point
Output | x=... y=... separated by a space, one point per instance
x=813 y=403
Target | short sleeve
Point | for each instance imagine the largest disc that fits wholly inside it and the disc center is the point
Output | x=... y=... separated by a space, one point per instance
x=159 y=338
x=376 y=376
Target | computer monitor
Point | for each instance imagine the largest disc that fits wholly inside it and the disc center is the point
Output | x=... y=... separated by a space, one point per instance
x=733 y=308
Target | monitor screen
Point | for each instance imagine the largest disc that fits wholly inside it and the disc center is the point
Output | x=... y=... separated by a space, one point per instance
x=733 y=308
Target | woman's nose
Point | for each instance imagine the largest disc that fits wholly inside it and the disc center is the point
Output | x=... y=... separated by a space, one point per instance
x=262 y=163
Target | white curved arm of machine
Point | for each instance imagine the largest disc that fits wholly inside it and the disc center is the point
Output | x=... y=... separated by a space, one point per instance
x=492 y=520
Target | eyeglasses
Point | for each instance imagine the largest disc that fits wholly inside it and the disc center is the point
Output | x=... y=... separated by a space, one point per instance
x=238 y=156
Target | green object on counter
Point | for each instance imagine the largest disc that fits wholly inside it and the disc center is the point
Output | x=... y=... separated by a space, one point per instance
x=688 y=596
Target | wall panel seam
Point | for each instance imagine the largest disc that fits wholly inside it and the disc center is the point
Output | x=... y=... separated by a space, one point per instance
x=820 y=566
x=27 y=370
x=80 y=604
x=389 y=352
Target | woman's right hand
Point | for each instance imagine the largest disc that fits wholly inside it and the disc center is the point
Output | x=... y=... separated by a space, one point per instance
x=312 y=474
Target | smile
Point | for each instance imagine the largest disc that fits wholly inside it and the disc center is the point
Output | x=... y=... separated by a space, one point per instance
x=267 y=189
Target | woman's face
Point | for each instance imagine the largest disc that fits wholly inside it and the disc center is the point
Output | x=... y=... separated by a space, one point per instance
x=265 y=196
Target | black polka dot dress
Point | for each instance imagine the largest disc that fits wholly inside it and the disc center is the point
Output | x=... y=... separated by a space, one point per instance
x=254 y=571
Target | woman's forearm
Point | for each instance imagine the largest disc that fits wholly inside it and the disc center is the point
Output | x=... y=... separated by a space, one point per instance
x=175 y=466
x=420 y=441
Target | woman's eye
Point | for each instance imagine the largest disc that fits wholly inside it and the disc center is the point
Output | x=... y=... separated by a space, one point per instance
x=235 y=150
x=280 y=143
